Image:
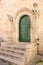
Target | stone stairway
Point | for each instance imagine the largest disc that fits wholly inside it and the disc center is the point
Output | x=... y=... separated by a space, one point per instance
x=19 y=54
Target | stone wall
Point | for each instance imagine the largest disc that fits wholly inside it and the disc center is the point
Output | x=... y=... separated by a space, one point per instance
x=8 y=27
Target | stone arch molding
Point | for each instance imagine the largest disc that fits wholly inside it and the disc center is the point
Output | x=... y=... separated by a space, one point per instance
x=19 y=14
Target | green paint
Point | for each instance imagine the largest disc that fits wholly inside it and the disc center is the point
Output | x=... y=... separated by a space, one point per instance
x=24 y=29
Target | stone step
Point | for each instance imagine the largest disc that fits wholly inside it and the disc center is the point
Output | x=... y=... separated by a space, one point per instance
x=16 y=55
x=13 y=51
x=21 y=44
x=15 y=48
x=19 y=54
x=12 y=57
x=15 y=61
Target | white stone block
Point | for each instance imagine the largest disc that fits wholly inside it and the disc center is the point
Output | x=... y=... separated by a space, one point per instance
x=3 y=44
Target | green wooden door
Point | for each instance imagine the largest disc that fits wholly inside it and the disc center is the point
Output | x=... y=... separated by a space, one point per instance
x=24 y=29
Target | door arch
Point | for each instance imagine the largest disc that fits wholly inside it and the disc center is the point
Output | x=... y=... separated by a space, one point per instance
x=24 y=29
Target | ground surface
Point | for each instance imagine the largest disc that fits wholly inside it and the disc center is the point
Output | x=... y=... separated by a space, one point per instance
x=3 y=62
x=38 y=60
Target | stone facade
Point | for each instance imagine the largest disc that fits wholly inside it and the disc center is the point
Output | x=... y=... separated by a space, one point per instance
x=10 y=13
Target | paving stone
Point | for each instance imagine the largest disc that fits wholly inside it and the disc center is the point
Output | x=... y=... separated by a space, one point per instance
x=33 y=61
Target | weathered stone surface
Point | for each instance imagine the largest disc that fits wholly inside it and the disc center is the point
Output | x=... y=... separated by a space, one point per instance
x=16 y=9
x=19 y=54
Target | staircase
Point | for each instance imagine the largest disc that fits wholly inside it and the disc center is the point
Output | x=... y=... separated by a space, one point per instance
x=19 y=54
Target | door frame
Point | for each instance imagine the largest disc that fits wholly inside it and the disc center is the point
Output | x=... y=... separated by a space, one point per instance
x=19 y=14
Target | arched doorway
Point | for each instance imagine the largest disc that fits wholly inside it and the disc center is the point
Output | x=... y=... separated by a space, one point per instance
x=24 y=29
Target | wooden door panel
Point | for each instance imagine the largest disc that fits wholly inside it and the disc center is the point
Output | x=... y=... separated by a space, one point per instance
x=24 y=29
